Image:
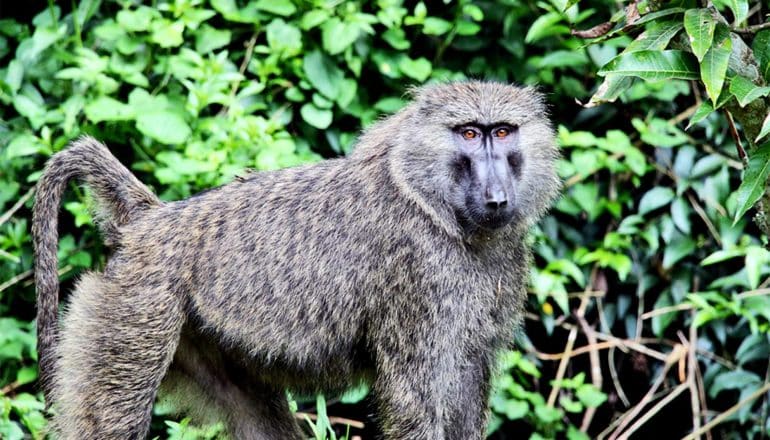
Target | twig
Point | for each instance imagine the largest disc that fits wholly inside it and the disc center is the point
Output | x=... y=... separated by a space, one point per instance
x=332 y=420
x=10 y=388
x=242 y=69
x=596 y=368
x=672 y=358
x=16 y=279
x=692 y=365
x=16 y=206
x=702 y=214
x=721 y=417
x=570 y=344
x=654 y=410
x=752 y=29
x=666 y=310
x=736 y=137
x=615 y=380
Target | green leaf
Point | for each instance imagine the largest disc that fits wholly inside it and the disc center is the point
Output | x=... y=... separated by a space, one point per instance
x=338 y=35
x=313 y=18
x=654 y=199
x=754 y=180
x=323 y=74
x=355 y=395
x=756 y=259
x=610 y=89
x=733 y=380
x=26 y=375
x=765 y=130
x=164 y=126
x=396 y=37
x=105 y=108
x=23 y=145
x=704 y=109
x=653 y=65
x=137 y=20
x=418 y=69
x=700 y=25
x=284 y=38
x=656 y=37
x=208 y=39
x=713 y=68
x=680 y=214
x=679 y=247
x=545 y=26
x=435 y=26
x=167 y=33
x=761 y=48
x=277 y=7
x=317 y=117
x=740 y=10
x=590 y=395
x=746 y=91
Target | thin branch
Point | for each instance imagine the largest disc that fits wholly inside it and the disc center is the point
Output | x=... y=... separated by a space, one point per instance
x=596 y=368
x=570 y=343
x=666 y=310
x=752 y=29
x=653 y=411
x=672 y=358
x=242 y=69
x=615 y=380
x=721 y=417
x=736 y=136
x=332 y=420
x=16 y=206
x=692 y=365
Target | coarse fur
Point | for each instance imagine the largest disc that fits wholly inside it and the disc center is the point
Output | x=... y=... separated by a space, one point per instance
x=371 y=268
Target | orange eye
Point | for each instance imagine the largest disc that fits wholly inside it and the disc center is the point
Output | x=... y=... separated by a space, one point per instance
x=502 y=132
x=469 y=134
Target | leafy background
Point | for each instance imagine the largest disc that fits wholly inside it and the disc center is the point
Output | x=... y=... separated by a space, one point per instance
x=649 y=301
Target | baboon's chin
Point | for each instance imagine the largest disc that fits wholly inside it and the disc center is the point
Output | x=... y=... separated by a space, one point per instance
x=472 y=221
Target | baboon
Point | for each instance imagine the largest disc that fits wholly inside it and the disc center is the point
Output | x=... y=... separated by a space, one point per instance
x=403 y=265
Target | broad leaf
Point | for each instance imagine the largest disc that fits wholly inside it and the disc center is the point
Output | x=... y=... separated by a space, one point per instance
x=610 y=89
x=105 y=108
x=746 y=91
x=277 y=7
x=761 y=48
x=653 y=65
x=164 y=126
x=655 y=38
x=704 y=109
x=317 y=117
x=654 y=199
x=740 y=10
x=754 y=180
x=700 y=26
x=713 y=67
x=765 y=130
x=323 y=74
x=418 y=69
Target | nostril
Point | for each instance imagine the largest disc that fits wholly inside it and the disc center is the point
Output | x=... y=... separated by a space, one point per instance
x=496 y=204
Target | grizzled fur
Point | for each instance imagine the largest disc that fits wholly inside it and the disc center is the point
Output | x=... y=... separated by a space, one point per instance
x=314 y=278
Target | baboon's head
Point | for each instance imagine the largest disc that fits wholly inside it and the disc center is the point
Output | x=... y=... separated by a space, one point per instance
x=484 y=149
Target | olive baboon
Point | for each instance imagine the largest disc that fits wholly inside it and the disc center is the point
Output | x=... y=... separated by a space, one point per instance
x=403 y=265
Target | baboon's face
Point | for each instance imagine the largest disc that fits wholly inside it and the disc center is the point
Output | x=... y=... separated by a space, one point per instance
x=485 y=169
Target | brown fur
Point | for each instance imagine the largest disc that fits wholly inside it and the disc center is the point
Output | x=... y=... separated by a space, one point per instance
x=313 y=278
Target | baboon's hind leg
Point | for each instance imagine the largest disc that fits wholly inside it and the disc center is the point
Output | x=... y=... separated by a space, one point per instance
x=209 y=387
x=114 y=349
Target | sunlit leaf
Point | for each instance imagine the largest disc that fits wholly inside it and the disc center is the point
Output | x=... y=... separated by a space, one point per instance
x=700 y=25
x=653 y=65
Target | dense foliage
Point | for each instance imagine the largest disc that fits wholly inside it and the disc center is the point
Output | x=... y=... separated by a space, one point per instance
x=649 y=302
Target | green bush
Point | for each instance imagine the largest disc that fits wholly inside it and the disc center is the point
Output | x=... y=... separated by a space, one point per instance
x=649 y=297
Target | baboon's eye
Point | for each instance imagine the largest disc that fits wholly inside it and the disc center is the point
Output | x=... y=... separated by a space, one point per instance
x=469 y=134
x=502 y=132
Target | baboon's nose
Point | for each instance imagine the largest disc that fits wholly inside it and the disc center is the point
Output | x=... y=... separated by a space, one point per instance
x=496 y=199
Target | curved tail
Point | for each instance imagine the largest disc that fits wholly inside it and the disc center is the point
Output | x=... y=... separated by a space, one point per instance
x=120 y=198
